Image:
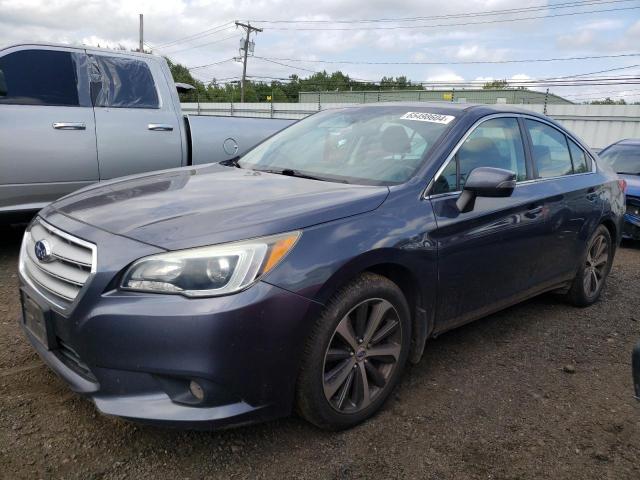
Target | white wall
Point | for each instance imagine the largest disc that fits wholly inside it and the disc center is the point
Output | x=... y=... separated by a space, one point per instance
x=597 y=125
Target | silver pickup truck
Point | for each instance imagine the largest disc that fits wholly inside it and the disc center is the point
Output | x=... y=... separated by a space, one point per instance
x=72 y=116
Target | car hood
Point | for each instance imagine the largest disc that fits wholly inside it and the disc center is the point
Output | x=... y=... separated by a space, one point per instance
x=211 y=204
x=633 y=184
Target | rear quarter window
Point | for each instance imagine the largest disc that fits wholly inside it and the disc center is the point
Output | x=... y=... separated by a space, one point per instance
x=581 y=161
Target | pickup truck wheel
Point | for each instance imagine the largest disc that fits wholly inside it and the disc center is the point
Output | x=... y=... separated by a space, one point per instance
x=355 y=354
x=592 y=274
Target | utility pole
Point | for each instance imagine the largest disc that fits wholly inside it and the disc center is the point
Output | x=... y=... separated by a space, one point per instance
x=546 y=99
x=248 y=28
x=141 y=34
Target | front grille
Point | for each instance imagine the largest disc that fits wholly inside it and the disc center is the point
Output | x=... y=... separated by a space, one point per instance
x=61 y=275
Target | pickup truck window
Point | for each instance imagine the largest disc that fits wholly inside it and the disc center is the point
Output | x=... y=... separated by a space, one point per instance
x=38 y=77
x=122 y=83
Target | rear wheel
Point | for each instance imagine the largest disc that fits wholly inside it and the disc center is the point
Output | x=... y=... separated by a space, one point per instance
x=592 y=274
x=355 y=354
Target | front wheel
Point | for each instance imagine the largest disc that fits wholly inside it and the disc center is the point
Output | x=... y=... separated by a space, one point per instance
x=355 y=354
x=592 y=274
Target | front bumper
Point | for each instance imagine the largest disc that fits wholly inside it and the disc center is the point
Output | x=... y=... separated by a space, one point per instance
x=135 y=354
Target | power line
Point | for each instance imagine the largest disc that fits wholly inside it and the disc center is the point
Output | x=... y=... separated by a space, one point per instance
x=599 y=71
x=467 y=62
x=285 y=65
x=205 y=44
x=195 y=36
x=611 y=81
x=210 y=64
x=506 y=11
x=460 y=24
x=612 y=93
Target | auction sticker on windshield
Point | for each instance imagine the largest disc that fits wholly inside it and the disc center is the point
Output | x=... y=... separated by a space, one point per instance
x=428 y=117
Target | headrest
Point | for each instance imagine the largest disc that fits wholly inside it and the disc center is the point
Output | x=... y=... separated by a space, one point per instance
x=394 y=139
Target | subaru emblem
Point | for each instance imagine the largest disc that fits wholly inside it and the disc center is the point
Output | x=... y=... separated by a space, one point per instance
x=43 y=251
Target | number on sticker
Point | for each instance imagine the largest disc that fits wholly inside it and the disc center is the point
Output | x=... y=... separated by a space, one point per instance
x=428 y=117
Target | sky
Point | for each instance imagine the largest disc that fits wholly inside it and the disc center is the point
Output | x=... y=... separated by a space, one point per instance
x=317 y=31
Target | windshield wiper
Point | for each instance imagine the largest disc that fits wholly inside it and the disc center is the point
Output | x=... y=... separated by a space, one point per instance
x=231 y=162
x=289 y=172
x=628 y=173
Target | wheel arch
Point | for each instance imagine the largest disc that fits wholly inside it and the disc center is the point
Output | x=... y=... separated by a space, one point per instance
x=387 y=263
x=610 y=225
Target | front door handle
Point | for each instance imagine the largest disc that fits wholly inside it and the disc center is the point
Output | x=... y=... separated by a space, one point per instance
x=69 y=126
x=160 y=127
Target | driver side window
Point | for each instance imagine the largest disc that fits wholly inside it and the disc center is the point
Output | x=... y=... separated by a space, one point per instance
x=494 y=143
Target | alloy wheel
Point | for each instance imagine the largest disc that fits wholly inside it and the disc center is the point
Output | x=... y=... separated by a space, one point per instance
x=362 y=355
x=596 y=265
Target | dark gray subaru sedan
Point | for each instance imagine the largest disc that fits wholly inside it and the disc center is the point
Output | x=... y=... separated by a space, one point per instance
x=305 y=274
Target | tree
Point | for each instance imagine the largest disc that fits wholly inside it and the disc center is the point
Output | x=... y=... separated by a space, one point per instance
x=496 y=85
x=609 y=101
x=280 y=90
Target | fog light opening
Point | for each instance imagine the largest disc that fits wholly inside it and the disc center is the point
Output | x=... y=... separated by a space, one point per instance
x=196 y=390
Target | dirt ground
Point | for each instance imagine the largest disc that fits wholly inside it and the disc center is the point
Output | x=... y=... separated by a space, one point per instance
x=541 y=390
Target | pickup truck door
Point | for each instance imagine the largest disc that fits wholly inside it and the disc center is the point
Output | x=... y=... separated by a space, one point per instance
x=47 y=129
x=137 y=127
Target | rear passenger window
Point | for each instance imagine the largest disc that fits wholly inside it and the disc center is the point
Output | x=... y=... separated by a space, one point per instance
x=549 y=149
x=580 y=160
x=494 y=143
x=38 y=77
x=122 y=83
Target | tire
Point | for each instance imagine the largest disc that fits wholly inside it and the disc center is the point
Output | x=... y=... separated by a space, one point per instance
x=330 y=391
x=594 y=269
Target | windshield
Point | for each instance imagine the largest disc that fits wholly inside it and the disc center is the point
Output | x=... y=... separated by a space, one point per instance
x=370 y=146
x=622 y=159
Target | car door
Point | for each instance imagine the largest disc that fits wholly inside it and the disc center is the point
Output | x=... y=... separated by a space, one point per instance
x=137 y=129
x=572 y=197
x=487 y=258
x=47 y=129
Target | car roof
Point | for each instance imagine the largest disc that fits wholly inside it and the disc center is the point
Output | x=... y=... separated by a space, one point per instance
x=75 y=46
x=629 y=141
x=453 y=107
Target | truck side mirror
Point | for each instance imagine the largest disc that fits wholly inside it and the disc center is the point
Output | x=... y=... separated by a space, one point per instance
x=184 y=87
x=485 y=182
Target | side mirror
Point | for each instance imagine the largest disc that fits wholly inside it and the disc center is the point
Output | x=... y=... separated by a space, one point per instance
x=485 y=182
x=184 y=87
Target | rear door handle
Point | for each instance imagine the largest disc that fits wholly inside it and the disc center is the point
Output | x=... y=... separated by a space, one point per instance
x=592 y=195
x=69 y=126
x=160 y=127
x=534 y=212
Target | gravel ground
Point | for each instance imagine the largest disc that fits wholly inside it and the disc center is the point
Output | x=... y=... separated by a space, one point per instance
x=541 y=390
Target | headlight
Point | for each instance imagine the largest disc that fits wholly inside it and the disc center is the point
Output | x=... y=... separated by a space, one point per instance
x=209 y=271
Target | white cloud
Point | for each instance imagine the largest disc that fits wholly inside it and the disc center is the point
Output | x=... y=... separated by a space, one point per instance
x=115 y=23
x=584 y=38
x=477 y=53
x=443 y=75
